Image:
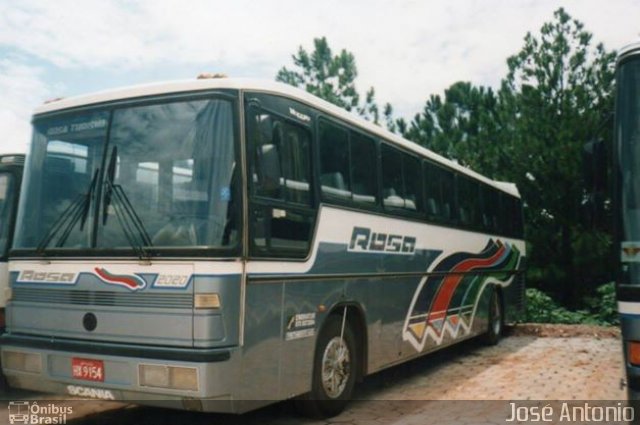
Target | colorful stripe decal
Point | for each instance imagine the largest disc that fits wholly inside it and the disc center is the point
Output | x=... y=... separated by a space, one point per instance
x=131 y=282
x=443 y=299
x=445 y=304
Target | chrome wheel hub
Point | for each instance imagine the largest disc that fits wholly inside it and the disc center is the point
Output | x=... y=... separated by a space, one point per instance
x=336 y=367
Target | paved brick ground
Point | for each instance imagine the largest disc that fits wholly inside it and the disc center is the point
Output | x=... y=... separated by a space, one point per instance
x=430 y=389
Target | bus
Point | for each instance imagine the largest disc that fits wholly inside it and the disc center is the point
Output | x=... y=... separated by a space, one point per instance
x=11 y=166
x=221 y=244
x=626 y=207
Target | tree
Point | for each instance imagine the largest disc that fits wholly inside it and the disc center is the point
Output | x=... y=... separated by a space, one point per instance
x=557 y=96
x=462 y=126
x=332 y=78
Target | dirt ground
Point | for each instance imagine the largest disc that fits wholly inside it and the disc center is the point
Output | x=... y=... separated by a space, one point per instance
x=534 y=365
x=546 y=330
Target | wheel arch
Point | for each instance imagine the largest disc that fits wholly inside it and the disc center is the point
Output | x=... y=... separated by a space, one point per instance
x=357 y=320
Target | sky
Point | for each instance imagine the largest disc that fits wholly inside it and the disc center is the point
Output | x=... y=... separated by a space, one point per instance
x=406 y=50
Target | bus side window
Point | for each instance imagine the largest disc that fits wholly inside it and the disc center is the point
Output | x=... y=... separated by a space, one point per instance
x=433 y=201
x=334 y=161
x=448 y=195
x=439 y=193
x=392 y=185
x=490 y=203
x=412 y=183
x=468 y=202
x=281 y=216
x=364 y=174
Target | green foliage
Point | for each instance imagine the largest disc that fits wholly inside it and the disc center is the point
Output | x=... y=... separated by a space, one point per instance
x=332 y=78
x=541 y=308
x=556 y=96
x=327 y=76
x=461 y=126
x=604 y=304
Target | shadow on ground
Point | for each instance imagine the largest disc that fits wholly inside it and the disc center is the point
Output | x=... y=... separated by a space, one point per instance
x=368 y=404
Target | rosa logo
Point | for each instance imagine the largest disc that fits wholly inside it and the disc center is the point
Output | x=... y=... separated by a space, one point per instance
x=131 y=282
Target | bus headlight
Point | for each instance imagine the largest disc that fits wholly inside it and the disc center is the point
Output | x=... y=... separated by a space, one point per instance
x=171 y=377
x=23 y=362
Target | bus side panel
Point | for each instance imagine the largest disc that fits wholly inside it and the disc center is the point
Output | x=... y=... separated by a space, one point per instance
x=514 y=297
x=4 y=285
x=307 y=305
x=217 y=327
x=261 y=352
x=384 y=302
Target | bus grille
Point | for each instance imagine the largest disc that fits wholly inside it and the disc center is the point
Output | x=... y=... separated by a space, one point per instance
x=102 y=298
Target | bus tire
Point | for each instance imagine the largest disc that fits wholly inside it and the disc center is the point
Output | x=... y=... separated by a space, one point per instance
x=334 y=371
x=495 y=319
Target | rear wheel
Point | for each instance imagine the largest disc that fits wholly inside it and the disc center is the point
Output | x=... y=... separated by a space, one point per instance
x=495 y=319
x=334 y=370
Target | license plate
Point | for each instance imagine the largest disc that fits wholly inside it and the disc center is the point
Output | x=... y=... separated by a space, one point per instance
x=87 y=369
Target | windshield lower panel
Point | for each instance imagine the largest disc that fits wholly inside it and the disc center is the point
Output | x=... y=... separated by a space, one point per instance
x=150 y=179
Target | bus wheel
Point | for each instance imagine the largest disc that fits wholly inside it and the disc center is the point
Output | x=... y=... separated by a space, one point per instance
x=334 y=370
x=495 y=319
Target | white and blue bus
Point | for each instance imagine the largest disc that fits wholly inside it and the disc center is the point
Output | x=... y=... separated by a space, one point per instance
x=220 y=244
x=11 y=166
x=626 y=202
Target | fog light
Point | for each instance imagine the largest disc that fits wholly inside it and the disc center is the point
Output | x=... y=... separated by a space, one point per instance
x=153 y=375
x=171 y=377
x=184 y=378
x=23 y=362
x=207 y=301
x=633 y=350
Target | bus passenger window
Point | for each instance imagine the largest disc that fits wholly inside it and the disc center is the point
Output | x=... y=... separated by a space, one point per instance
x=281 y=167
x=401 y=180
x=413 y=183
x=281 y=216
x=363 y=168
x=334 y=162
x=392 y=186
x=468 y=201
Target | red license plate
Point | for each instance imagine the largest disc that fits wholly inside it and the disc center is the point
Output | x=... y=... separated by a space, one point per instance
x=87 y=369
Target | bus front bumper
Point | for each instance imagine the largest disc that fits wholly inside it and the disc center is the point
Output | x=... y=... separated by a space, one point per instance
x=192 y=379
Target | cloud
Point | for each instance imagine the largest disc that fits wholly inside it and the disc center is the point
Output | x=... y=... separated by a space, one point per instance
x=22 y=87
x=407 y=50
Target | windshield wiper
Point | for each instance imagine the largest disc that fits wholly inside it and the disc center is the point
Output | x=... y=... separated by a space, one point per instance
x=78 y=209
x=129 y=220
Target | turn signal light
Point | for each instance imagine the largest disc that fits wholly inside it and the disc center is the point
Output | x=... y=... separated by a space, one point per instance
x=23 y=362
x=164 y=376
x=207 y=300
x=633 y=352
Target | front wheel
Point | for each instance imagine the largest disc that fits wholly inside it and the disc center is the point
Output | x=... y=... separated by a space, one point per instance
x=495 y=319
x=334 y=370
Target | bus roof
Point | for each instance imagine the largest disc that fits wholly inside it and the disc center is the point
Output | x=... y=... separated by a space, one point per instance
x=12 y=159
x=270 y=87
x=628 y=50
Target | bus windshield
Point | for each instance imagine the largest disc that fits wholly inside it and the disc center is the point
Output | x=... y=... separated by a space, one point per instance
x=7 y=195
x=628 y=145
x=154 y=176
